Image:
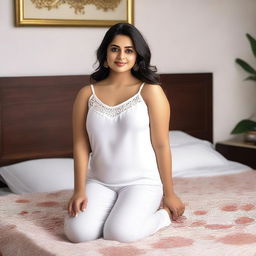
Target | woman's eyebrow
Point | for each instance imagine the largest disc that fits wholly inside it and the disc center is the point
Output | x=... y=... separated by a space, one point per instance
x=119 y=46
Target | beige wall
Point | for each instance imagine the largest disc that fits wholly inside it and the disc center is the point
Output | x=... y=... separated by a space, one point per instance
x=184 y=36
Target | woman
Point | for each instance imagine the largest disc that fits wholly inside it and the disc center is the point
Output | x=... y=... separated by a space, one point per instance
x=123 y=121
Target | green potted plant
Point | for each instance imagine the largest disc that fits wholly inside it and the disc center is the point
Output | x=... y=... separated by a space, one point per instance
x=247 y=126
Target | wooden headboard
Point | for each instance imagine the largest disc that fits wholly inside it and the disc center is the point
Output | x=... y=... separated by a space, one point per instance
x=36 y=112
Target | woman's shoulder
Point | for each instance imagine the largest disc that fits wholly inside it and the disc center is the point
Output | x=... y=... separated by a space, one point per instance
x=151 y=92
x=100 y=83
x=85 y=91
x=149 y=88
x=83 y=95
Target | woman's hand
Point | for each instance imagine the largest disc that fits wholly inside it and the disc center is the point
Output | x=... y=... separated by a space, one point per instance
x=174 y=206
x=77 y=203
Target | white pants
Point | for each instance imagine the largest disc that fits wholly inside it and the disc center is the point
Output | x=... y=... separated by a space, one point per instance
x=123 y=213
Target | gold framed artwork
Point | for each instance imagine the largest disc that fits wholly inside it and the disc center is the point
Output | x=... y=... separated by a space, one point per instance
x=93 y=13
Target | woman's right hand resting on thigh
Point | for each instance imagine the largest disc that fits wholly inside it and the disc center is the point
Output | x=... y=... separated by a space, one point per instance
x=76 y=204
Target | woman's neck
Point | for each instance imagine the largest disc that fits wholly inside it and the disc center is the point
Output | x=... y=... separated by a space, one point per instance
x=121 y=79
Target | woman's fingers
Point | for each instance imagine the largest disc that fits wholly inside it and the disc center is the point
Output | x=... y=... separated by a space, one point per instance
x=70 y=208
x=83 y=205
x=174 y=214
x=73 y=213
x=77 y=203
x=77 y=207
x=181 y=212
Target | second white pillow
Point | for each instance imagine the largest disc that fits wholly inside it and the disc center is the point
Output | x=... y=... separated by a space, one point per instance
x=39 y=175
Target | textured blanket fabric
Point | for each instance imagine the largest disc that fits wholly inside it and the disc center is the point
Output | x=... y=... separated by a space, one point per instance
x=220 y=219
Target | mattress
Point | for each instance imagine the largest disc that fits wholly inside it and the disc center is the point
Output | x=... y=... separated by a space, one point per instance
x=220 y=219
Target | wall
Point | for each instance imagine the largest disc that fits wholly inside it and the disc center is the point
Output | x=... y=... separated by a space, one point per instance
x=184 y=36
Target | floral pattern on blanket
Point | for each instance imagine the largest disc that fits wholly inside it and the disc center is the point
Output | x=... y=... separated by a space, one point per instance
x=220 y=219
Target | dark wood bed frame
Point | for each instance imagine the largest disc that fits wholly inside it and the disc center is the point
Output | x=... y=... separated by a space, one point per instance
x=36 y=112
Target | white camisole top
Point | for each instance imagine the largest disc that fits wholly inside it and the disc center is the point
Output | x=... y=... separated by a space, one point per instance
x=122 y=153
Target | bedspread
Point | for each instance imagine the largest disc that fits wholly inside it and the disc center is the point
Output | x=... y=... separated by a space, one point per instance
x=220 y=219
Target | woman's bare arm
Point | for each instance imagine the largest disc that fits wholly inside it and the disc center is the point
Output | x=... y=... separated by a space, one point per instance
x=159 y=115
x=81 y=151
x=81 y=144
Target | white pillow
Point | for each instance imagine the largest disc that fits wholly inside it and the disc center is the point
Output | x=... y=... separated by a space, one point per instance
x=39 y=175
x=180 y=138
x=190 y=154
x=200 y=159
x=195 y=155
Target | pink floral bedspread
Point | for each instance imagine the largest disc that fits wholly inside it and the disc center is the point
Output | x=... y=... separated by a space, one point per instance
x=220 y=219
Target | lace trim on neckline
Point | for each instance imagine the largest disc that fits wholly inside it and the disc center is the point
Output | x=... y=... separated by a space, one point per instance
x=113 y=111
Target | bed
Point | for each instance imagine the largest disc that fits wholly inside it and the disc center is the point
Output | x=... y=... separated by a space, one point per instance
x=36 y=143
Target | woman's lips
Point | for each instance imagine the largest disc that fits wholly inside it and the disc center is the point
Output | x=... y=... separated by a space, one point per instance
x=120 y=64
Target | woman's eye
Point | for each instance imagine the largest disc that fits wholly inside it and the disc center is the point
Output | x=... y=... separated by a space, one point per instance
x=129 y=51
x=114 y=49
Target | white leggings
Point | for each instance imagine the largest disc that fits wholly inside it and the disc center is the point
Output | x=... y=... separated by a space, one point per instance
x=124 y=213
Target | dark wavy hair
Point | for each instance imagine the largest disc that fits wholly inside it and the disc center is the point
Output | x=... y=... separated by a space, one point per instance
x=144 y=71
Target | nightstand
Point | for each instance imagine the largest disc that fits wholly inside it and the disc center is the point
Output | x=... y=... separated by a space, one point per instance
x=237 y=150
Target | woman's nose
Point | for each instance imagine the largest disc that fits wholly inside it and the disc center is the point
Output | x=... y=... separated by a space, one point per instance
x=121 y=54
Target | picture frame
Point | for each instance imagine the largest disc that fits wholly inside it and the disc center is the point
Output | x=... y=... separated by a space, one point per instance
x=90 y=13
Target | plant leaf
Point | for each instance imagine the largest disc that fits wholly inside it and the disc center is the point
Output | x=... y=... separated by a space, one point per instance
x=250 y=78
x=246 y=66
x=244 y=126
x=252 y=43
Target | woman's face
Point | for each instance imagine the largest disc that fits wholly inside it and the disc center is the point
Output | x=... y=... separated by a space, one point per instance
x=121 y=54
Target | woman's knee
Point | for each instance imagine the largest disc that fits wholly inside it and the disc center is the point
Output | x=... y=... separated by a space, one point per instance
x=120 y=233
x=78 y=230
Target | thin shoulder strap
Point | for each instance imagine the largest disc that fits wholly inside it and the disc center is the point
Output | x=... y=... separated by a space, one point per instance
x=93 y=92
x=141 y=87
